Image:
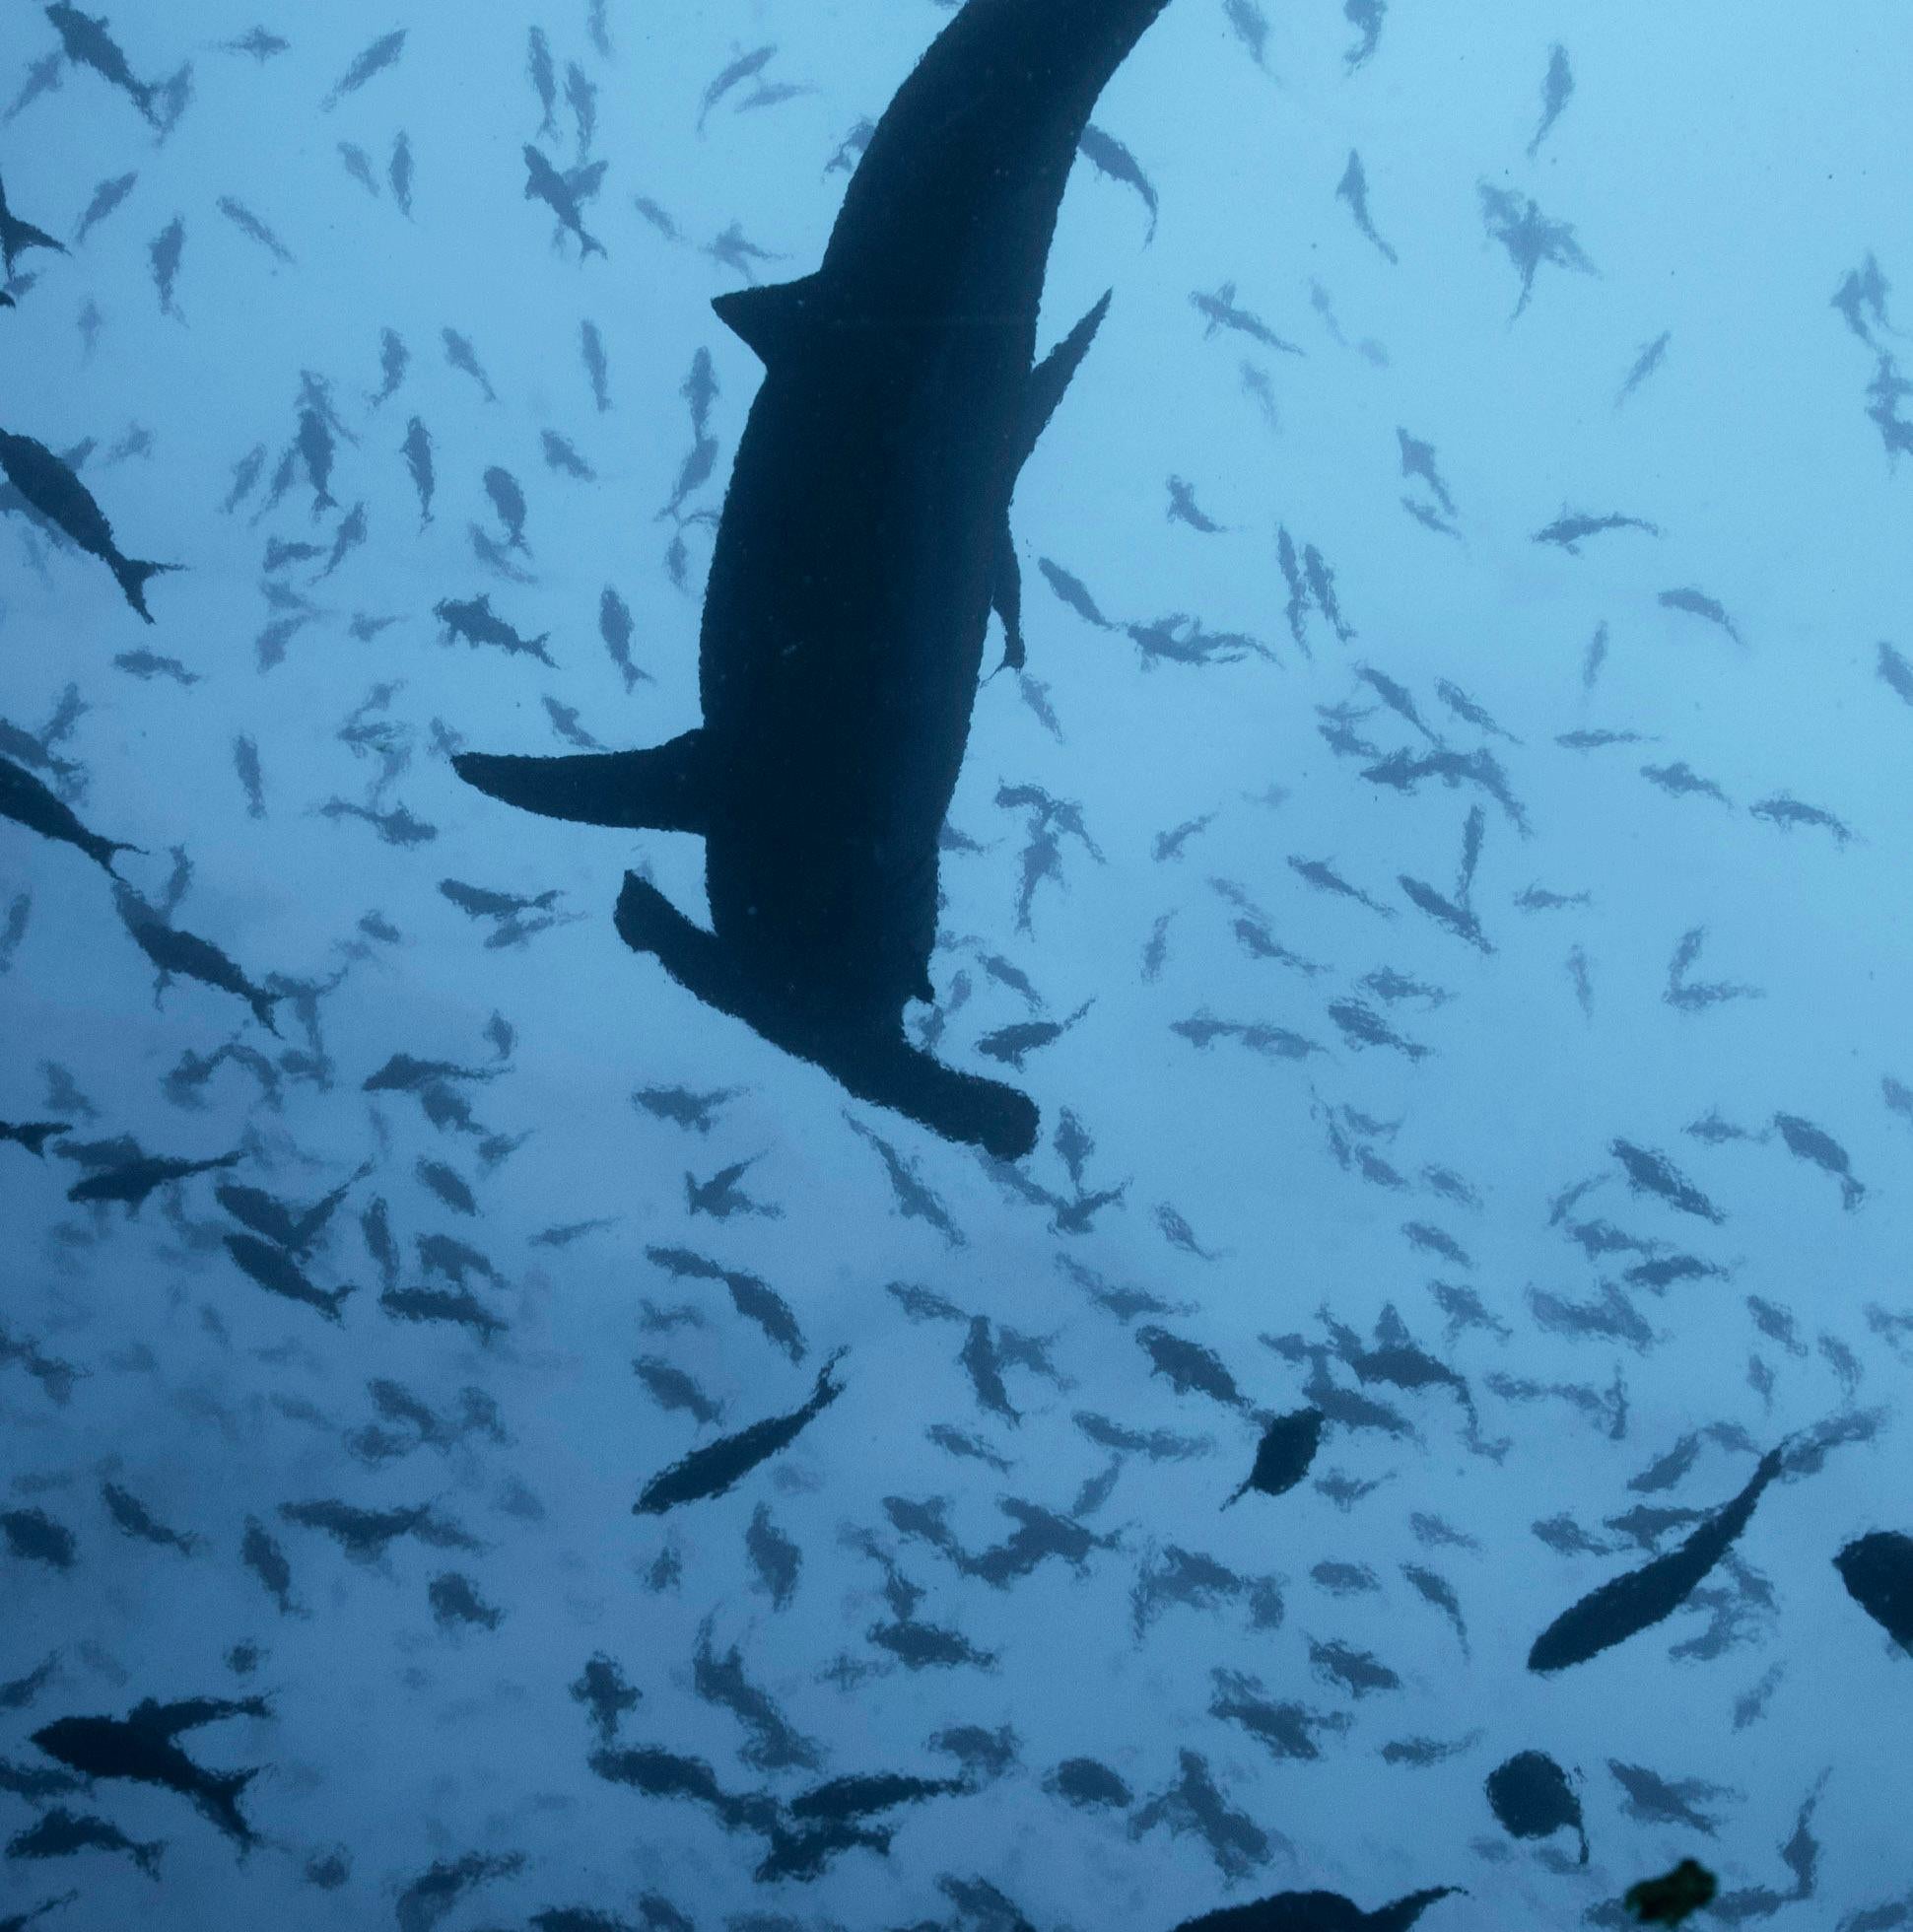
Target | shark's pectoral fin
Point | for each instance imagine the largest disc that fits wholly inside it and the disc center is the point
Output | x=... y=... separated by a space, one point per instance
x=1006 y=596
x=663 y=790
x=769 y=319
x=1050 y=378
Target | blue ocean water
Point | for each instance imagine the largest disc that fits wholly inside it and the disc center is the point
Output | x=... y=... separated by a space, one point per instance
x=1438 y=874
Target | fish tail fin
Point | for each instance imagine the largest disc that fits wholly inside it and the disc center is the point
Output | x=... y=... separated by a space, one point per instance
x=592 y=245
x=147 y=1857
x=134 y=573
x=262 y=1004
x=110 y=849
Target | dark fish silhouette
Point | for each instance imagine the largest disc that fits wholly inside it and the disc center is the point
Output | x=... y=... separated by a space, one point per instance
x=374 y=60
x=278 y=1273
x=560 y=193
x=106 y=198
x=1573 y=527
x=1109 y=158
x=717 y=1465
x=833 y=672
x=477 y=623
x=1316 y=1911
x=59 y=1833
x=29 y=803
x=1633 y=1602
x=1283 y=1456
x=1353 y=190
x=175 y=951
x=51 y=488
x=132 y=1181
x=1532 y=1797
x=89 y=45
x=1649 y=1172
x=1558 y=90
x=1673 y=1897
x=33 y=1134
x=143 y=1746
x=1877 y=1570
x=1697 y=603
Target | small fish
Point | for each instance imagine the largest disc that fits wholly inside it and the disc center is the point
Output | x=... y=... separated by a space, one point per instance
x=133 y=1519
x=374 y=60
x=507 y=499
x=591 y=345
x=1573 y=527
x=582 y=99
x=475 y=621
x=1530 y=1798
x=59 y=1833
x=560 y=455
x=616 y=629
x=33 y=1134
x=166 y=251
x=1629 y=1603
x=1787 y=812
x=249 y=224
x=543 y=183
x=1189 y=1367
x=1250 y=26
x=399 y=173
x=133 y=1180
x=29 y=803
x=744 y=68
x=1651 y=357
x=462 y=357
x=718 y=1466
x=1697 y=603
x=42 y=77
x=172 y=950
x=1558 y=90
x=1109 y=158
x=417 y=451
x=50 y=486
x=149 y=665
x=1649 y=1172
x=1315 y=1911
x=260 y=44
x=1806 y=1141
x=1353 y=190
x=89 y=45
x=106 y=198
x=358 y=163
x=1673 y=1897
x=1283 y=1456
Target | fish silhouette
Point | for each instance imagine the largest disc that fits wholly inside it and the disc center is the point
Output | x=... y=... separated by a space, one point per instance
x=863 y=543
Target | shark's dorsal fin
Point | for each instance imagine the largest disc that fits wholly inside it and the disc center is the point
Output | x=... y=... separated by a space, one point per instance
x=768 y=319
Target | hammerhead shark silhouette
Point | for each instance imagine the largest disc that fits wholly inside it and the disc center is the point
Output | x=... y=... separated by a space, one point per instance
x=863 y=542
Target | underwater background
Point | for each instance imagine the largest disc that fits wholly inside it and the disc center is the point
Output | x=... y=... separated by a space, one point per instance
x=1441 y=873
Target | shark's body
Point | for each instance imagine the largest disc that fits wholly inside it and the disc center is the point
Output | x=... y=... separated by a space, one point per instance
x=863 y=542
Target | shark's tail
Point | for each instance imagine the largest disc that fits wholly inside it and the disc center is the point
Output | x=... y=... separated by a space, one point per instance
x=133 y=575
x=223 y=1805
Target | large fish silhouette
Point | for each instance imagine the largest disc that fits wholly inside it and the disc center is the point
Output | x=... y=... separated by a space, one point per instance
x=863 y=542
